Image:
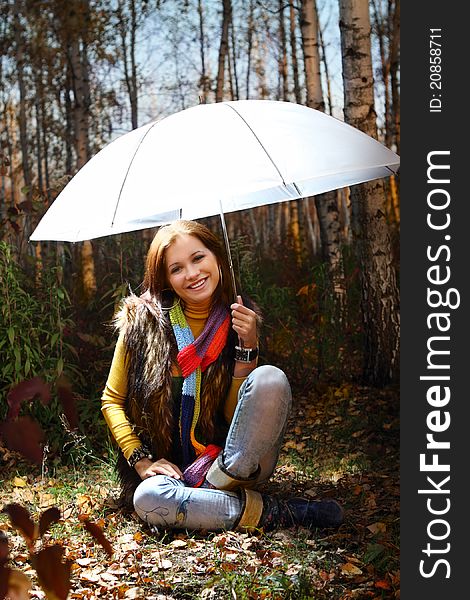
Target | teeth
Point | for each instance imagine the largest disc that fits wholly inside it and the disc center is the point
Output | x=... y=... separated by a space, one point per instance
x=197 y=285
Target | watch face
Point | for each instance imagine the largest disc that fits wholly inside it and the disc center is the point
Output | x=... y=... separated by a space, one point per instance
x=245 y=354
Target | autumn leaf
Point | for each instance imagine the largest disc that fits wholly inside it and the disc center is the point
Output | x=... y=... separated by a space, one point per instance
x=47 y=518
x=20 y=482
x=25 y=392
x=377 y=528
x=178 y=544
x=382 y=584
x=25 y=436
x=4 y=577
x=96 y=531
x=53 y=573
x=14 y=584
x=21 y=520
x=350 y=569
x=165 y=564
x=3 y=549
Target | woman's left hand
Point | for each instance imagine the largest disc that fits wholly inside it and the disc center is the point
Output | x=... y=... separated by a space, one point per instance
x=244 y=323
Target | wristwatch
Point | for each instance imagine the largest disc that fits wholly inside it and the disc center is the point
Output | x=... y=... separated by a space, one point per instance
x=245 y=355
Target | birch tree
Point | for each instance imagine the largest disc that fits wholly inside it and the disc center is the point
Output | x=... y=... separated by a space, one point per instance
x=204 y=82
x=326 y=204
x=223 y=49
x=128 y=23
x=293 y=49
x=370 y=229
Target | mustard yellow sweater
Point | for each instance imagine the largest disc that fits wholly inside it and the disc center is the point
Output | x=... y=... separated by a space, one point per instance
x=115 y=391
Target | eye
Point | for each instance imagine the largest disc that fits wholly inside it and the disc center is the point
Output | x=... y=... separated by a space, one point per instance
x=198 y=257
x=174 y=270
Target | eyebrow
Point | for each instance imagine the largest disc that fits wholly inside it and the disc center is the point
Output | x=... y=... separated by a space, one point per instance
x=177 y=262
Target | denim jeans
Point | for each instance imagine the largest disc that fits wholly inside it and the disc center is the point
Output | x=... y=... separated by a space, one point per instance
x=252 y=446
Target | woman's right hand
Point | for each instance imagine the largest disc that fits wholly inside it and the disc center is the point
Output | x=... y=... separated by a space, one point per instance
x=146 y=468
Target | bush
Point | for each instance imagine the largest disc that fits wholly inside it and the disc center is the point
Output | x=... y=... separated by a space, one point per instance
x=33 y=320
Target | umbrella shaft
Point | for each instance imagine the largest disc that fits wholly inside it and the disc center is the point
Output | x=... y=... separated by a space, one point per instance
x=229 y=253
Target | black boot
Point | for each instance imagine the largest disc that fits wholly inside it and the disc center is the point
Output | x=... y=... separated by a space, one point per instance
x=279 y=514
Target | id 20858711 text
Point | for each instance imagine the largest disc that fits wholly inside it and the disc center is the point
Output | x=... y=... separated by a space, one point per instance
x=435 y=70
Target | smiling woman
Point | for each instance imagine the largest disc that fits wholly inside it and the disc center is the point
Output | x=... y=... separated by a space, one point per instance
x=198 y=422
x=192 y=271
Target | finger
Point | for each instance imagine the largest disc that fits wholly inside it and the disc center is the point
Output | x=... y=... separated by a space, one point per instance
x=242 y=310
x=178 y=472
x=241 y=322
x=243 y=319
x=169 y=466
x=173 y=467
x=165 y=470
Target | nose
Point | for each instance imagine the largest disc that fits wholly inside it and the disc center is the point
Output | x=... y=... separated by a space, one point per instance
x=192 y=272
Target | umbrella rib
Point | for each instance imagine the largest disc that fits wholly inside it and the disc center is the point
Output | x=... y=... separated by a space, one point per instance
x=129 y=168
x=259 y=142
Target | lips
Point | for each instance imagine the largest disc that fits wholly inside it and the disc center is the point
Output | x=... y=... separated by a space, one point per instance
x=199 y=284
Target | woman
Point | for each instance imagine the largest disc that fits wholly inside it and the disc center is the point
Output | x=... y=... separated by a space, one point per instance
x=198 y=423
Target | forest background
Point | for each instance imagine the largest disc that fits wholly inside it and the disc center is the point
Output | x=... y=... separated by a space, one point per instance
x=73 y=76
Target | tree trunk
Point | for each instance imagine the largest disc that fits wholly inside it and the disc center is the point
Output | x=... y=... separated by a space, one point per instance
x=204 y=83
x=326 y=204
x=380 y=30
x=78 y=22
x=10 y=119
x=233 y=47
x=330 y=235
x=283 y=90
x=275 y=228
x=326 y=69
x=293 y=49
x=223 y=49
x=309 y=28
x=127 y=25
x=249 y=35
x=22 y=117
x=379 y=287
x=295 y=230
x=394 y=82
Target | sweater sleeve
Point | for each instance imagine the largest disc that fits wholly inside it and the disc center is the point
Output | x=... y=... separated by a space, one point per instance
x=113 y=402
x=232 y=398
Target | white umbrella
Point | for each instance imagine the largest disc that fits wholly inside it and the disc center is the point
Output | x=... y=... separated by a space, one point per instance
x=236 y=155
x=210 y=159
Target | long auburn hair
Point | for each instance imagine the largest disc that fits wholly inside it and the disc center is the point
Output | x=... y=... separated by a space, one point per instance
x=155 y=278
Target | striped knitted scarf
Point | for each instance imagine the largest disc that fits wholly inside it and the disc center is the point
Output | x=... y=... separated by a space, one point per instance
x=194 y=356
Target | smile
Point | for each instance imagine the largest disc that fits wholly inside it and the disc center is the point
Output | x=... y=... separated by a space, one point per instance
x=198 y=284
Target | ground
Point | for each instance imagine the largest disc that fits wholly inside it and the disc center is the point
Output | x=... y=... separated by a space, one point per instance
x=341 y=442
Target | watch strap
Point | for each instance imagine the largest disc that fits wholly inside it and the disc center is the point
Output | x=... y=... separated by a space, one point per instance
x=245 y=355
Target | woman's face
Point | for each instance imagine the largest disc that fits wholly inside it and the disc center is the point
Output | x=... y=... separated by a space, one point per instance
x=192 y=269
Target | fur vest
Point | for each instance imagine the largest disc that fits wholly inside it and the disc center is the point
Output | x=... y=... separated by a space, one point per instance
x=151 y=407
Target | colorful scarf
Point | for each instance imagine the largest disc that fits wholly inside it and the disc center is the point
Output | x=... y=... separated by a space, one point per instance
x=194 y=356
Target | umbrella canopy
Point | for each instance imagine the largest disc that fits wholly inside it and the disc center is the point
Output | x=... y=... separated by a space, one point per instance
x=236 y=155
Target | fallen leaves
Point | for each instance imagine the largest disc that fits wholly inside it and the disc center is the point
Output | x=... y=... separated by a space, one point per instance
x=375 y=528
x=350 y=569
x=339 y=460
x=20 y=482
x=95 y=530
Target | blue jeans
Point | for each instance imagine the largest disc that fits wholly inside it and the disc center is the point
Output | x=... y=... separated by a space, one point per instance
x=251 y=453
